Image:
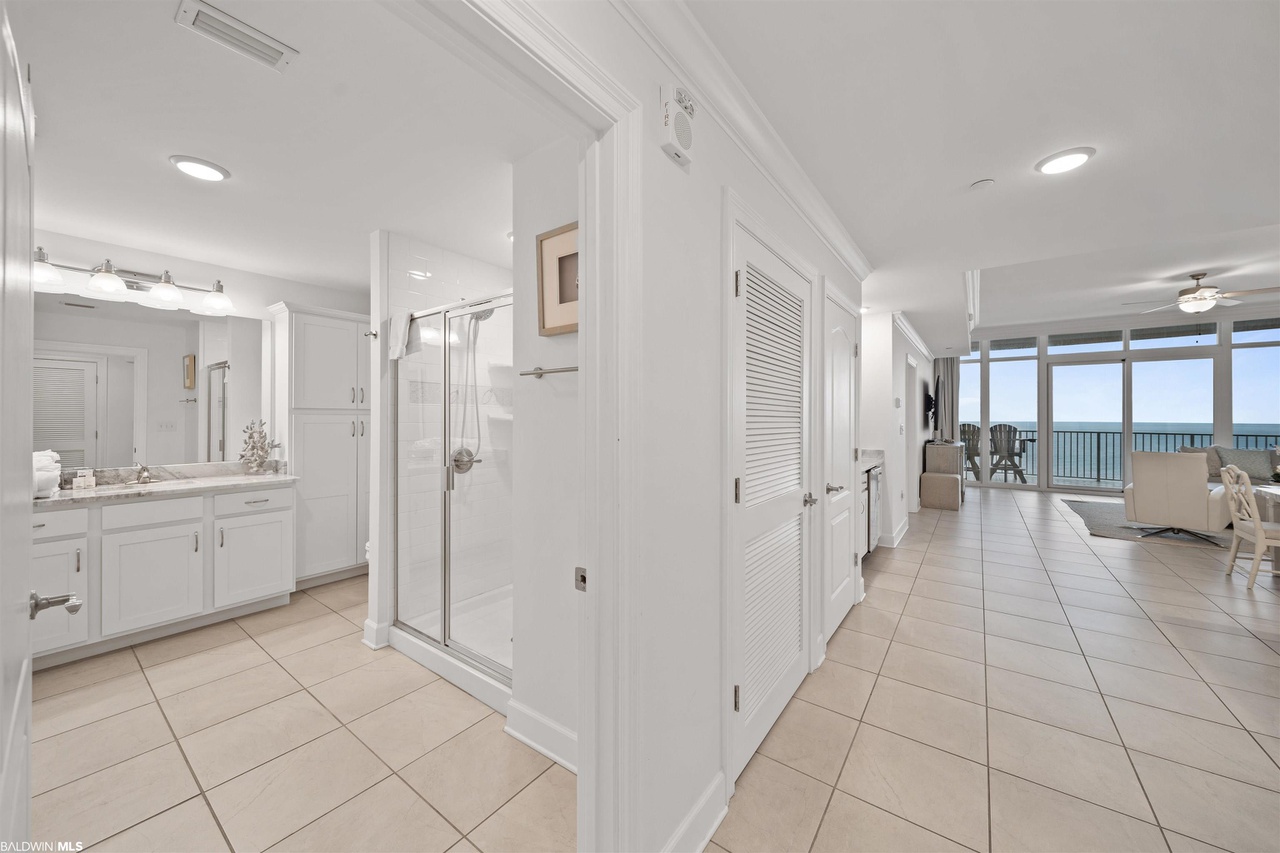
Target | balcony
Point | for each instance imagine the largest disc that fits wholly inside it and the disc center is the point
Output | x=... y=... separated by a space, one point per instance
x=1088 y=458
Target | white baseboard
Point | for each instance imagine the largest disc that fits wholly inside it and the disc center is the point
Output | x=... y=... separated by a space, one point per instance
x=891 y=540
x=695 y=831
x=491 y=692
x=545 y=735
x=335 y=575
x=377 y=634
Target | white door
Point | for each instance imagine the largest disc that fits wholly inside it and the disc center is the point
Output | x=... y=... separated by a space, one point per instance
x=324 y=363
x=15 y=449
x=769 y=522
x=842 y=491
x=252 y=557
x=324 y=458
x=151 y=576
x=59 y=568
x=66 y=410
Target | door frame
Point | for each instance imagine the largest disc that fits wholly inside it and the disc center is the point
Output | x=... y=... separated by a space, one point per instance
x=737 y=213
x=518 y=48
x=822 y=594
x=1126 y=423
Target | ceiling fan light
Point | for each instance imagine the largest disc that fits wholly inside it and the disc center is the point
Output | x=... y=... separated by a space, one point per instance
x=164 y=294
x=105 y=284
x=1196 y=306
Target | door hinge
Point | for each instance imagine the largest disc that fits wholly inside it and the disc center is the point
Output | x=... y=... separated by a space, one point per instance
x=857 y=350
x=95 y=433
x=737 y=282
x=580 y=578
x=737 y=490
x=736 y=693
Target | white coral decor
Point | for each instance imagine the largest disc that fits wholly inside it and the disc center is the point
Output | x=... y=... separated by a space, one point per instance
x=257 y=447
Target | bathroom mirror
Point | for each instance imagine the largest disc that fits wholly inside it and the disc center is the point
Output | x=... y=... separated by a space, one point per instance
x=109 y=383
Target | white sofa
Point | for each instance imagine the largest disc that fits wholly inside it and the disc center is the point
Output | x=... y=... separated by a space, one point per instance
x=1169 y=492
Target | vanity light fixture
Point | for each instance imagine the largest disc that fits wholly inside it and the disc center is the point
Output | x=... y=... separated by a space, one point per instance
x=43 y=272
x=105 y=284
x=1065 y=161
x=200 y=169
x=164 y=294
x=215 y=303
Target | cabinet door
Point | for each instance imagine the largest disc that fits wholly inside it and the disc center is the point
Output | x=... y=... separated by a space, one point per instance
x=58 y=568
x=324 y=363
x=151 y=576
x=324 y=459
x=252 y=557
x=363 y=359
x=363 y=432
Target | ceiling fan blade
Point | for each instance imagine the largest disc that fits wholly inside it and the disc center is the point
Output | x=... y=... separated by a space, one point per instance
x=1222 y=301
x=1251 y=292
x=1161 y=308
x=1143 y=302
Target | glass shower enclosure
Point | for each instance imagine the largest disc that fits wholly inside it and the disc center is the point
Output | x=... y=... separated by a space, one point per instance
x=453 y=415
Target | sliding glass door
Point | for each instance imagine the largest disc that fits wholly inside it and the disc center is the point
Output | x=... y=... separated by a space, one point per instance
x=1087 y=424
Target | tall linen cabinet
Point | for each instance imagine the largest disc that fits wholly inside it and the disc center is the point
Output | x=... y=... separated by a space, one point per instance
x=320 y=392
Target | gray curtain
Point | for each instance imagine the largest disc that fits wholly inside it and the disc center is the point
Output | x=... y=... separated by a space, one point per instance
x=946 y=392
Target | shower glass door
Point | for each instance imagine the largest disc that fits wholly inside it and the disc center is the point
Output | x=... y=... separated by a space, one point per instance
x=478 y=572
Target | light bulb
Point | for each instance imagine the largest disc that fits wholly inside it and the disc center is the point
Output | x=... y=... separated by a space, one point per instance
x=1196 y=306
x=44 y=275
x=215 y=303
x=1065 y=161
x=164 y=294
x=105 y=284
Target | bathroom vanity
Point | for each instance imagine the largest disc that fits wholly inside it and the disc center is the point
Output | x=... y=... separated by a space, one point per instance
x=151 y=559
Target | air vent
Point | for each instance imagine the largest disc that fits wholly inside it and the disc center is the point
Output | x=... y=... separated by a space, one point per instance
x=218 y=26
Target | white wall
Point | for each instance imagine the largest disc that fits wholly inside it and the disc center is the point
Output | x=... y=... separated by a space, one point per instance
x=675 y=729
x=166 y=339
x=548 y=472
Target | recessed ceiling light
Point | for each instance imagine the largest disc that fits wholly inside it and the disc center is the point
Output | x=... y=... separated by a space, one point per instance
x=1064 y=161
x=982 y=184
x=197 y=168
x=419 y=275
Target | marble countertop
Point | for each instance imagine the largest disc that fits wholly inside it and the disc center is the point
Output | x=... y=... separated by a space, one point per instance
x=868 y=459
x=162 y=489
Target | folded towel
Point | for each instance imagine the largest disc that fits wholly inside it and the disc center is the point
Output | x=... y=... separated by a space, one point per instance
x=398 y=334
x=44 y=483
x=45 y=460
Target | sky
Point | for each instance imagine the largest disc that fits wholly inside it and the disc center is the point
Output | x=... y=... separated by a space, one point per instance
x=1164 y=391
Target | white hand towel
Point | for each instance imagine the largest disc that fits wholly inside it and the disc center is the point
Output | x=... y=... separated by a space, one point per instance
x=44 y=483
x=398 y=330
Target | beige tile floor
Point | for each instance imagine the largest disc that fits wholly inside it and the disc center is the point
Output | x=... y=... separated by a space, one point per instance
x=283 y=731
x=1011 y=683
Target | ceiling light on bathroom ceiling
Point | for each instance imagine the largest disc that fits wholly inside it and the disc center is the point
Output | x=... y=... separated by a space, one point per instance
x=44 y=275
x=105 y=284
x=1065 y=161
x=197 y=168
x=164 y=294
x=215 y=303
x=420 y=275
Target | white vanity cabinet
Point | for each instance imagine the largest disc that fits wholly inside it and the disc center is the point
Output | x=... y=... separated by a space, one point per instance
x=151 y=576
x=252 y=546
x=58 y=568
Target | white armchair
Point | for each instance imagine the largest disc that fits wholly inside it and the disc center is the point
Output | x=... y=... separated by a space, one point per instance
x=1169 y=492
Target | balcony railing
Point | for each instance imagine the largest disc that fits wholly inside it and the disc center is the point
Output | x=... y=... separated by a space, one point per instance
x=1095 y=457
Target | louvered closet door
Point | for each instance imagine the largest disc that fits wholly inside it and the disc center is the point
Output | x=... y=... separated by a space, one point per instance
x=770 y=527
x=65 y=396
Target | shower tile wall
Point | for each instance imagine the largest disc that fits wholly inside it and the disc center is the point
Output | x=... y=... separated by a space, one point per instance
x=482 y=536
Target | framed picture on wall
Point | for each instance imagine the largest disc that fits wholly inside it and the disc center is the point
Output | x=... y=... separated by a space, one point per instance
x=558 y=280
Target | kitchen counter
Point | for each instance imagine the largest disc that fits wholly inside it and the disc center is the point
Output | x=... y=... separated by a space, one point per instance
x=161 y=489
x=868 y=459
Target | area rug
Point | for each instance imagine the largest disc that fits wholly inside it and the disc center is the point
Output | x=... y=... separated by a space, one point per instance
x=1107 y=520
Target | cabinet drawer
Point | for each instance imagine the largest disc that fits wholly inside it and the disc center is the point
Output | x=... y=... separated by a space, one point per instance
x=151 y=512
x=65 y=522
x=237 y=502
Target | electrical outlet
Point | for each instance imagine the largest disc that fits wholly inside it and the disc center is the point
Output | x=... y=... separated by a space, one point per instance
x=167 y=426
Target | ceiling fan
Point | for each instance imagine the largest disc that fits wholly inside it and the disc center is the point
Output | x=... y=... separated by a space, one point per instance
x=1201 y=297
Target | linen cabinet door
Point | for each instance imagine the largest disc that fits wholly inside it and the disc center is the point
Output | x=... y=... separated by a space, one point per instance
x=324 y=363
x=327 y=491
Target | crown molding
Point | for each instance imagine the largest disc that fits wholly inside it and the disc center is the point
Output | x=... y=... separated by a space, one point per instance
x=675 y=35
x=902 y=324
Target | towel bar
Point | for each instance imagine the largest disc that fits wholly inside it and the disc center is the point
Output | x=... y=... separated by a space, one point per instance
x=539 y=372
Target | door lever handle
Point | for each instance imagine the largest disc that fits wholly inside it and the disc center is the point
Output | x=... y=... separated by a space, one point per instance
x=38 y=602
x=831 y=490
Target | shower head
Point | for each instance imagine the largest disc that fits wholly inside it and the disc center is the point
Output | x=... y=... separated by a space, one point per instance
x=483 y=315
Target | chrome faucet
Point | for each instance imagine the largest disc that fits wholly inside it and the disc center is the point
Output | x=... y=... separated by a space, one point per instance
x=144 y=474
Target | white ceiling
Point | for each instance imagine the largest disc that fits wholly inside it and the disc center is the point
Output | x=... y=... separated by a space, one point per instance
x=1100 y=284
x=373 y=126
x=895 y=108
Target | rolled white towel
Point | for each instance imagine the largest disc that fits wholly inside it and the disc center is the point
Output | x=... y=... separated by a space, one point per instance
x=45 y=460
x=44 y=483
